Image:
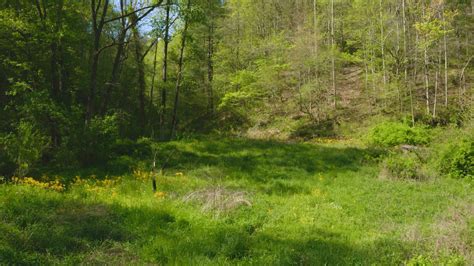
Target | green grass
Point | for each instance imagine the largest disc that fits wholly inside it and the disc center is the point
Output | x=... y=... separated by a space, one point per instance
x=310 y=204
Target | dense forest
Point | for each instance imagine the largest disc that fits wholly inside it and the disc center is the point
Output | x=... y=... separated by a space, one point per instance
x=260 y=105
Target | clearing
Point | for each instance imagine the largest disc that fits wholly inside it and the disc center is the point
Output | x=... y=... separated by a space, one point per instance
x=238 y=201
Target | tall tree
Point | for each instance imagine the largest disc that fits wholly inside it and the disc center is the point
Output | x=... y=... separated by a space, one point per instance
x=99 y=10
x=166 y=40
x=174 y=118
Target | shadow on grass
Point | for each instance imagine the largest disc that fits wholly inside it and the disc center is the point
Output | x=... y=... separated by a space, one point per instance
x=49 y=229
x=264 y=160
x=35 y=229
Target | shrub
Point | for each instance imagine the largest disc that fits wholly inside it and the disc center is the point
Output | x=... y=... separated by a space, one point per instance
x=24 y=147
x=389 y=134
x=7 y=166
x=94 y=144
x=456 y=158
x=139 y=149
x=402 y=166
x=323 y=128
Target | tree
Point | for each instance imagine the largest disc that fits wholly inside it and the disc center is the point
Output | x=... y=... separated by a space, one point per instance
x=174 y=118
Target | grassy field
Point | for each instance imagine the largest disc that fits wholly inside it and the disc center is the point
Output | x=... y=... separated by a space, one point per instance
x=240 y=202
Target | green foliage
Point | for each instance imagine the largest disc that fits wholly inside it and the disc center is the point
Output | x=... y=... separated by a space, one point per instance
x=456 y=157
x=420 y=261
x=311 y=130
x=94 y=146
x=389 y=134
x=24 y=147
x=402 y=166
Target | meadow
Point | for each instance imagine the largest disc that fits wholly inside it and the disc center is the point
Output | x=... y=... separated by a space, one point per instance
x=238 y=201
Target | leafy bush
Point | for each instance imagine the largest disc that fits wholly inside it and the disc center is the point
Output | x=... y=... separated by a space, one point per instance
x=97 y=139
x=139 y=149
x=24 y=147
x=389 y=134
x=420 y=260
x=402 y=166
x=323 y=128
x=7 y=166
x=456 y=158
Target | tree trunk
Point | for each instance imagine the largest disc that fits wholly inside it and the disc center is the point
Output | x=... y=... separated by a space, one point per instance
x=397 y=64
x=315 y=30
x=97 y=27
x=435 y=100
x=333 y=48
x=445 y=46
x=462 y=81
x=140 y=73
x=56 y=54
x=210 y=66
x=152 y=87
x=113 y=82
x=405 y=63
x=174 y=120
x=165 y=72
x=382 y=46
x=427 y=84
x=425 y=68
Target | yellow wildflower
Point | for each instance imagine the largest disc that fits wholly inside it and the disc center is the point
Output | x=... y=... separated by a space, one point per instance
x=160 y=194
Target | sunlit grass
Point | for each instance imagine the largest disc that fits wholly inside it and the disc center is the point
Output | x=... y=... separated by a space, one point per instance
x=310 y=204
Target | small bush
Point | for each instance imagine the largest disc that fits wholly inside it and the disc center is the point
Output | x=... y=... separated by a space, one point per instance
x=24 y=147
x=94 y=146
x=389 y=134
x=402 y=166
x=139 y=149
x=456 y=158
x=313 y=130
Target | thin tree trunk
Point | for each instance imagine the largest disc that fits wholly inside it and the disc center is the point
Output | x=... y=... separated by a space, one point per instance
x=174 y=120
x=435 y=100
x=427 y=84
x=315 y=30
x=56 y=54
x=97 y=27
x=397 y=65
x=445 y=46
x=405 y=63
x=210 y=65
x=116 y=67
x=462 y=80
x=165 y=72
x=152 y=91
x=140 y=73
x=113 y=82
x=372 y=70
x=333 y=67
x=382 y=46
x=152 y=87
x=415 y=60
x=426 y=70
x=366 y=67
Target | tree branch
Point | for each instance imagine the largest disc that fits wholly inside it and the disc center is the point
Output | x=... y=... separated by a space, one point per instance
x=110 y=45
x=135 y=11
x=149 y=48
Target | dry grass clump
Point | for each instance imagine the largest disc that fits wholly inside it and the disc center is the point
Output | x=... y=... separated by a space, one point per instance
x=219 y=199
x=208 y=172
x=414 y=234
x=111 y=254
x=449 y=236
x=452 y=234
